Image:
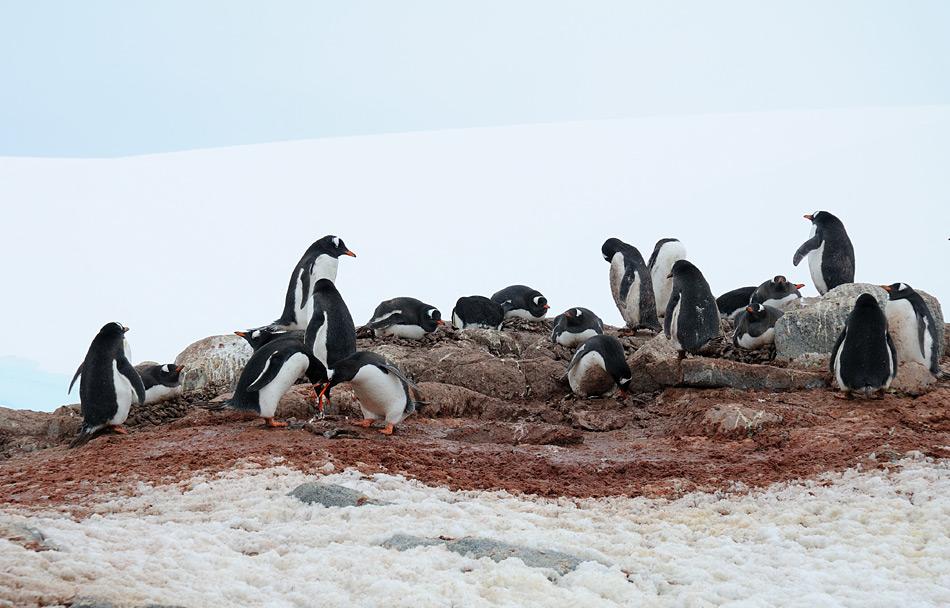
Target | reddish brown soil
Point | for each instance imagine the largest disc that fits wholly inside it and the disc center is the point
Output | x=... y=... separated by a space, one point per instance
x=665 y=449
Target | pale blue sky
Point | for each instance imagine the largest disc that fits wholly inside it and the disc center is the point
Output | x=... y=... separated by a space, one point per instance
x=111 y=78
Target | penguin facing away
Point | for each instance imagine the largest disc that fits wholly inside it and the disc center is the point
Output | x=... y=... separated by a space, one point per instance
x=477 y=312
x=912 y=327
x=522 y=302
x=109 y=384
x=692 y=318
x=863 y=359
x=732 y=303
x=631 y=285
x=574 y=326
x=666 y=252
x=161 y=382
x=755 y=326
x=260 y=336
x=596 y=357
x=830 y=253
x=405 y=318
x=384 y=392
x=320 y=261
x=778 y=293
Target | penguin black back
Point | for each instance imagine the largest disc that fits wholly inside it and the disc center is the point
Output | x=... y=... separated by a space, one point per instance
x=477 y=311
x=734 y=302
x=692 y=318
x=863 y=358
x=331 y=334
x=522 y=301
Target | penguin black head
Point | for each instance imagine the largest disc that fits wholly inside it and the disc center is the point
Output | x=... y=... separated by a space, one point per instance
x=865 y=301
x=755 y=311
x=537 y=304
x=682 y=267
x=170 y=374
x=781 y=285
x=611 y=247
x=822 y=218
x=431 y=319
x=260 y=336
x=113 y=330
x=332 y=246
x=897 y=291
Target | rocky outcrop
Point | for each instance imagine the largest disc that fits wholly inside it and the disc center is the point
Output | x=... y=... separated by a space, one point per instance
x=716 y=373
x=26 y=431
x=216 y=361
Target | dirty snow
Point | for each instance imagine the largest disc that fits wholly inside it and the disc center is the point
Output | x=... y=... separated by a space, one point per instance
x=236 y=539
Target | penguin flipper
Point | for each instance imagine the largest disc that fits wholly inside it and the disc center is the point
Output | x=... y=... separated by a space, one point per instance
x=809 y=245
x=837 y=346
x=577 y=357
x=670 y=307
x=394 y=318
x=392 y=369
x=125 y=368
x=893 y=351
x=76 y=376
x=271 y=368
x=85 y=435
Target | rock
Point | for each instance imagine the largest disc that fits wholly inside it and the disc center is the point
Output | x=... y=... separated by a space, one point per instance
x=498 y=343
x=329 y=495
x=913 y=378
x=805 y=336
x=216 y=361
x=531 y=433
x=599 y=421
x=298 y=403
x=561 y=563
x=543 y=377
x=655 y=365
x=733 y=420
x=27 y=431
x=702 y=372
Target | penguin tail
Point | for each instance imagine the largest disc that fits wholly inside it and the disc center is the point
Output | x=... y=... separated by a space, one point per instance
x=85 y=435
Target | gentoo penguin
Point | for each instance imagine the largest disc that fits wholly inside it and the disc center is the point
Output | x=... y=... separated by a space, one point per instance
x=778 y=293
x=161 y=382
x=597 y=366
x=382 y=389
x=320 y=261
x=912 y=327
x=477 y=312
x=863 y=359
x=574 y=326
x=405 y=318
x=522 y=302
x=692 y=318
x=631 y=285
x=109 y=383
x=331 y=335
x=755 y=326
x=262 y=335
x=830 y=253
x=269 y=373
x=665 y=254
x=732 y=303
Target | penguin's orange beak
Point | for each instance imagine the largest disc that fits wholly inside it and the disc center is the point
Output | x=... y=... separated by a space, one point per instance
x=886 y=288
x=809 y=217
x=124 y=329
x=240 y=333
x=440 y=322
x=178 y=368
x=669 y=276
x=799 y=285
x=748 y=309
x=546 y=307
x=350 y=253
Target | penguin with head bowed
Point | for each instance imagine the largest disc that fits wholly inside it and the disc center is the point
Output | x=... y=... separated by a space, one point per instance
x=778 y=293
x=631 y=285
x=830 y=253
x=522 y=302
x=755 y=326
x=260 y=336
x=666 y=253
x=405 y=318
x=599 y=357
x=692 y=318
x=109 y=383
x=863 y=359
x=161 y=382
x=477 y=312
x=732 y=303
x=912 y=327
x=320 y=261
x=384 y=392
x=574 y=326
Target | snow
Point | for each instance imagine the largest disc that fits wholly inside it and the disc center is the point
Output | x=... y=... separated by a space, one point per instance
x=236 y=539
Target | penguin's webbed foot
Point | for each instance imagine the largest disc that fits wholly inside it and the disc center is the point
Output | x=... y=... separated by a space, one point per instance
x=844 y=395
x=118 y=428
x=273 y=424
x=365 y=423
x=388 y=430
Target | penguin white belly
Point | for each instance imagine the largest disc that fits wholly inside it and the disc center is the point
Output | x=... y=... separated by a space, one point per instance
x=571 y=340
x=589 y=376
x=160 y=392
x=123 y=396
x=674 y=326
x=324 y=267
x=902 y=325
x=750 y=342
x=788 y=302
x=814 y=267
x=269 y=396
x=303 y=304
x=928 y=342
x=631 y=309
x=669 y=254
x=520 y=313
x=617 y=270
x=457 y=321
x=320 y=342
x=410 y=332
x=381 y=395
x=837 y=366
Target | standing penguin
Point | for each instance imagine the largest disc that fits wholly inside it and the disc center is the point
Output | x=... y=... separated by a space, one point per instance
x=161 y=382
x=631 y=285
x=692 y=318
x=778 y=293
x=755 y=326
x=666 y=253
x=331 y=335
x=912 y=327
x=477 y=312
x=405 y=318
x=597 y=366
x=522 y=302
x=382 y=389
x=830 y=253
x=574 y=326
x=109 y=383
x=732 y=303
x=863 y=359
x=320 y=261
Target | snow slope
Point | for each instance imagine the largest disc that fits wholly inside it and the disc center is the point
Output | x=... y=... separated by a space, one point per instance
x=186 y=245
x=850 y=539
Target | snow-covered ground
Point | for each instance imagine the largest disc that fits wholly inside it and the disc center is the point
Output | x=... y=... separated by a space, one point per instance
x=851 y=539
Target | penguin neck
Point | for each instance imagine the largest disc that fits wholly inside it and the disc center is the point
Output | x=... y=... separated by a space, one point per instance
x=324 y=267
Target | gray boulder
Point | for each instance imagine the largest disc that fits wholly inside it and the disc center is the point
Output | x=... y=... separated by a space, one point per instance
x=215 y=361
x=329 y=495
